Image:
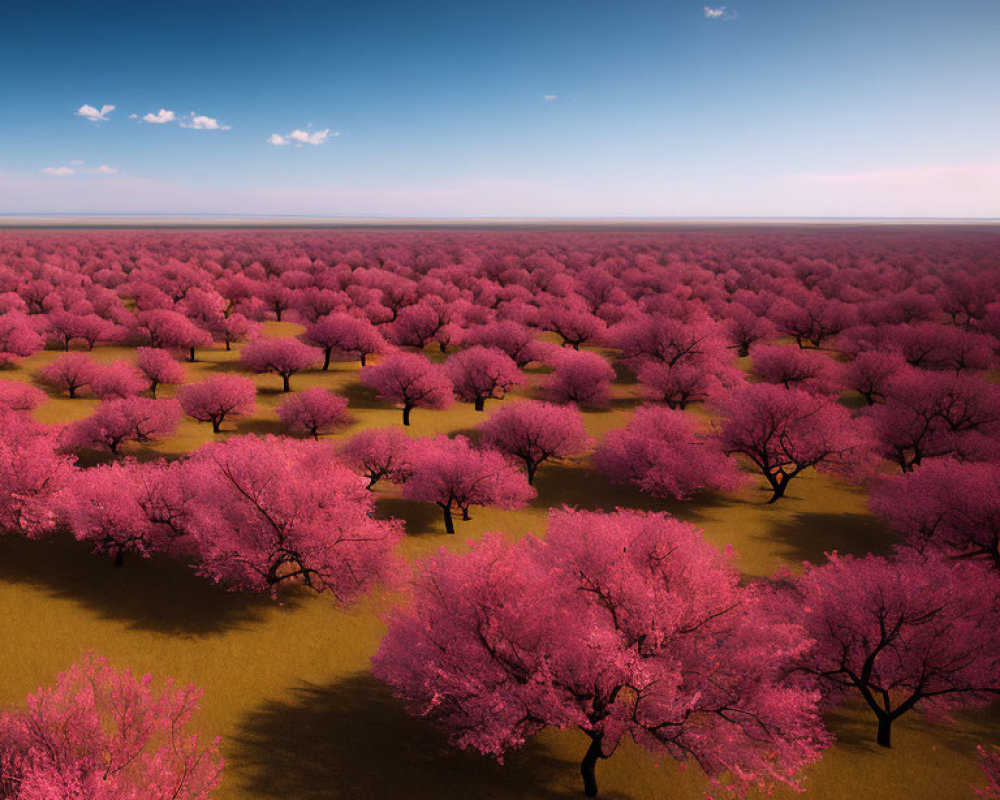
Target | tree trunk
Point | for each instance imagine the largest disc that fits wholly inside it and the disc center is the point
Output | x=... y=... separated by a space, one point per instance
x=120 y=559
x=406 y=415
x=778 y=484
x=228 y=345
x=530 y=468
x=72 y=392
x=285 y=385
x=884 y=736
x=588 y=767
x=449 y=523
x=465 y=514
x=152 y=389
x=216 y=424
x=480 y=403
x=363 y=359
x=191 y=355
x=326 y=359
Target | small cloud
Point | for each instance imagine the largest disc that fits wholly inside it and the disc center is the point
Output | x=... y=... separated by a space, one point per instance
x=79 y=168
x=94 y=114
x=550 y=98
x=199 y=122
x=159 y=118
x=719 y=12
x=58 y=171
x=300 y=137
x=104 y=169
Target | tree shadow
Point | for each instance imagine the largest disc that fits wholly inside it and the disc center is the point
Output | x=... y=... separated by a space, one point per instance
x=353 y=741
x=157 y=594
x=360 y=396
x=260 y=427
x=420 y=518
x=584 y=487
x=807 y=535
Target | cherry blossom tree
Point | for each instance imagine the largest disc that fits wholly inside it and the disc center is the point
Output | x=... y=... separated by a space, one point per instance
x=513 y=338
x=410 y=380
x=116 y=380
x=129 y=419
x=946 y=505
x=273 y=510
x=901 y=633
x=159 y=367
x=282 y=357
x=314 y=411
x=19 y=337
x=786 y=431
x=125 y=507
x=31 y=472
x=793 y=367
x=571 y=320
x=481 y=373
x=163 y=327
x=342 y=334
x=18 y=396
x=622 y=624
x=534 y=433
x=235 y=328
x=662 y=452
x=70 y=372
x=378 y=453
x=744 y=328
x=871 y=371
x=455 y=475
x=581 y=377
x=218 y=397
x=108 y=735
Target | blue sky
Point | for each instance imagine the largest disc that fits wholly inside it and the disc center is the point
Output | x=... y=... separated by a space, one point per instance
x=555 y=109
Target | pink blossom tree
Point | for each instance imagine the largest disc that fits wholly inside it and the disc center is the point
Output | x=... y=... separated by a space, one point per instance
x=31 y=472
x=108 y=735
x=786 y=431
x=793 y=367
x=377 y=454
x=273 y=510
x=342 y=334
x=662 y=452
x=159 y=367
x=19 y=337
x=410 y=380
x=481 y=373
x=946 y=505
x=621 y=625
x=282 y=357
x=18 y=396
x=685 y=383
x=125 y=507
x=534 y=433
x=571 y=320
x=235 y=328
x=871 y=371
x=901 y=633
x=745 y=328
x=455 y=475
x=217 y=398
x=70 y=372
x=122 y=420
x=513 y=338
x=314 y=411
x=162 y=327
x=581 y=377
x=116 y=380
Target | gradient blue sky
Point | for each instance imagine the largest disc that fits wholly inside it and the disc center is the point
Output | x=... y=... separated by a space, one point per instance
x=772 y=108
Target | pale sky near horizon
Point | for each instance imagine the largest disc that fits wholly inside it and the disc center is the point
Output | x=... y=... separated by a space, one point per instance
x=552 y=109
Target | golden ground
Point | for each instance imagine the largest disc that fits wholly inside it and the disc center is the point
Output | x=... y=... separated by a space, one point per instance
x=287 y=687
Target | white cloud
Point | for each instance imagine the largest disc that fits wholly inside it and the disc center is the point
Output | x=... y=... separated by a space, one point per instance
x=79 y=168
x=104 y=169
x=199 y=122
x=58 y=171
x=300 y=137
x=160 y=117
x=719 y=12
x=550 y=98
x=94 y=114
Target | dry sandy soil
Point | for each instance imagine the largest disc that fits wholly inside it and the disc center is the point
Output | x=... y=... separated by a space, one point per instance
x=287 y=687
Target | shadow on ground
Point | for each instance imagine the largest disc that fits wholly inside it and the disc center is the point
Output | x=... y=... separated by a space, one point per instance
x=420 y=518
x=354 y=741
x=156 y=594
x=807 y=536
